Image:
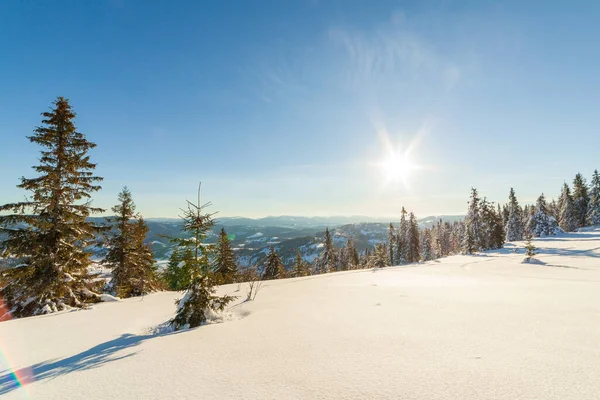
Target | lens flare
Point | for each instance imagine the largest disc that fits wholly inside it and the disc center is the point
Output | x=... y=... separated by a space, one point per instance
x=20 y=377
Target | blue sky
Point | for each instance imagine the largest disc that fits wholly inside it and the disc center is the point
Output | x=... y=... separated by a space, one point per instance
x=279 y=107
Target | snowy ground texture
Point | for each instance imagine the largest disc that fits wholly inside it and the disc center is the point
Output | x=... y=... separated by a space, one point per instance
x=467 y=327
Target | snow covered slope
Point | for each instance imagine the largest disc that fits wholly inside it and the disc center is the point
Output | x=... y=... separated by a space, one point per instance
x=466 y=327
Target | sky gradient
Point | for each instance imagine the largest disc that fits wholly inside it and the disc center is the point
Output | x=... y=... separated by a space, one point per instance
x=281 y=107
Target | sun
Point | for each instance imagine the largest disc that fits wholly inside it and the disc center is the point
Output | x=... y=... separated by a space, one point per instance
x=396 y=167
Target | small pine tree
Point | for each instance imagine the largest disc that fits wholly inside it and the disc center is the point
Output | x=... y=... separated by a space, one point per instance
x=379 y=259
x=354 y=259
x=529 y=247
x=300 y=267
x=48 y=234
x=224 y=264
x=273 y=268
x=199 y=301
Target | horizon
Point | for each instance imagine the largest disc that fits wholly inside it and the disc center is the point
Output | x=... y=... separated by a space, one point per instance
x=308 y=108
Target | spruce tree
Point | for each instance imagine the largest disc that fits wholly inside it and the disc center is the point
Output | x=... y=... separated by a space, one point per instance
x=364 y=260
x=343 y=258
x=273 y=268
x=474 y=223
x=426 y=245
x=327 y=259
x=300 y=267
x=47 y=234
x=467 y=243
x=401 y=252
x=224 y=264
x=354 y=261
x=593 y=217
x=514 y=224
x=131 y=261
x=540 y=222
x=391 y=244
x=413 y=246
x=492 y=229
x=146 y=277
x=177 y=275
x=379 y=259
x=580 y=200
x=568 y=218
x=199 y=300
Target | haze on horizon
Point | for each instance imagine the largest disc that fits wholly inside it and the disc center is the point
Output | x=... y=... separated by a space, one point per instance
x=294 y=108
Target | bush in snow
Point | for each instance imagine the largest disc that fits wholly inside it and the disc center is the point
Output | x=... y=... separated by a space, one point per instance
x=529 y=248
x=199 y=301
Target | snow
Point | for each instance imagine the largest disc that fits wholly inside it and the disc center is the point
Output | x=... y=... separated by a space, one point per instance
x=484 y=326
x=108 y=298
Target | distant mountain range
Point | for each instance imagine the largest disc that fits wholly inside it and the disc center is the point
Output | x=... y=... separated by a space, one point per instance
x=252 y=238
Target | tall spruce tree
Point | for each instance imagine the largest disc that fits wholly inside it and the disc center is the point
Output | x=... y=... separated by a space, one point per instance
x=391 y=244
x=146 y=275
x=413 y=245
x=354 y=259
x=473 y=222
x=131 y=261
x=580 y=199
x=568 y=218
x=224 y=264
x=426 y=245
x=199 y=300
x=47 y=234
x=593 y=217
x=327 y=259
x=401 y=253
x=273 y=268
x=514 y=224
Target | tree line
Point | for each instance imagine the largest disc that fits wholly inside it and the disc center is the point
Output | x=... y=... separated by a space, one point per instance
x=46 y=239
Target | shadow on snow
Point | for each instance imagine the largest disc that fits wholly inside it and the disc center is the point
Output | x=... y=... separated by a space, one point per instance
x=92 y=358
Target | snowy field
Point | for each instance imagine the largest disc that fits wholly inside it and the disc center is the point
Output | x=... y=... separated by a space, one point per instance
x=466 y=327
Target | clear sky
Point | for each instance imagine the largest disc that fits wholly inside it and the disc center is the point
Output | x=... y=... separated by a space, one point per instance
x=281 y=107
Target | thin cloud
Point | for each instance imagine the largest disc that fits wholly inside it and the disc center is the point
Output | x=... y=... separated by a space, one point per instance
x=391 y=53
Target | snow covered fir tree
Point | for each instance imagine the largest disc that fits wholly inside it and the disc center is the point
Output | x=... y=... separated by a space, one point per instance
x=593 y=216
x=514 y=219
x=48 y=233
